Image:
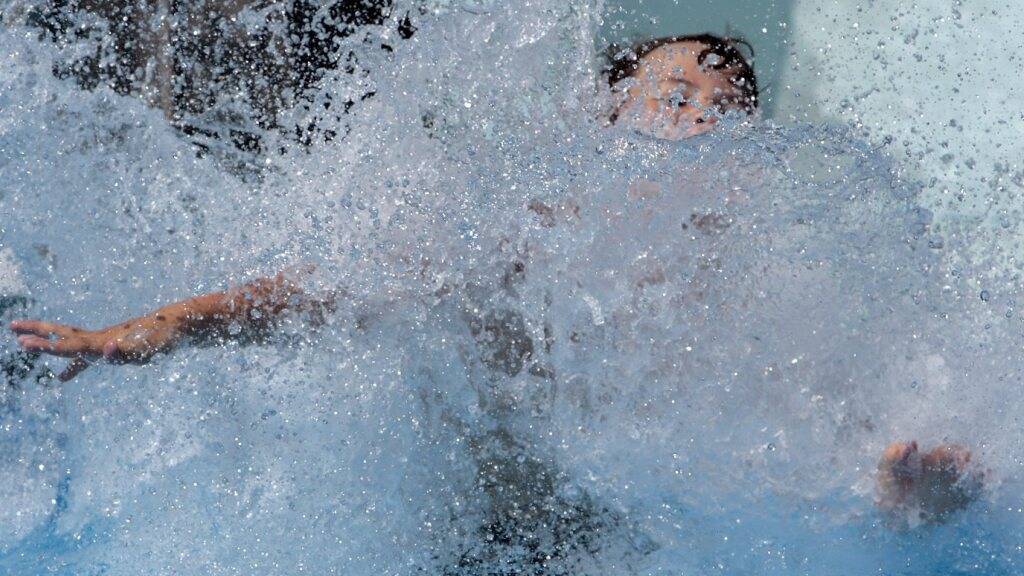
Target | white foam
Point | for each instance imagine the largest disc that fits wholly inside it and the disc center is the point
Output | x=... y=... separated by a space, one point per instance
x=725 y=333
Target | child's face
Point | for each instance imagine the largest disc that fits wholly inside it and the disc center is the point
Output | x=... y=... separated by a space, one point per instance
x=675 y=97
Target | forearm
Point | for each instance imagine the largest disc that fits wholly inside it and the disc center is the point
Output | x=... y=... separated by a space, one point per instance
x=252 y=304
x=244 y=310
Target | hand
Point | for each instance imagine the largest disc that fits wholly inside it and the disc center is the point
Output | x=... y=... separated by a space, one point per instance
x=933 y=484
x=134 y=341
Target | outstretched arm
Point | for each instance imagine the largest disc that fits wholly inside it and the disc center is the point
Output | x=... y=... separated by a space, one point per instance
x=241 y=312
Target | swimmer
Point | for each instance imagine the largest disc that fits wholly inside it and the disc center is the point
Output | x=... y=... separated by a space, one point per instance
x=673 y=88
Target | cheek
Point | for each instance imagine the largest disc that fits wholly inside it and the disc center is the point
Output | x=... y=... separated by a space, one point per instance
x=695 y=129
x=695 y=116
x=653 y=105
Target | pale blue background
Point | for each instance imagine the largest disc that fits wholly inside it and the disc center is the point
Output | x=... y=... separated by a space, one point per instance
x=934 y=83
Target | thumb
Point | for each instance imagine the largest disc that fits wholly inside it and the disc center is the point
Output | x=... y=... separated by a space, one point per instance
x=74 y=368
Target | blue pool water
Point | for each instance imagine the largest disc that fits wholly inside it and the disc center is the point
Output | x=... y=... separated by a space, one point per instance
x=724 y=333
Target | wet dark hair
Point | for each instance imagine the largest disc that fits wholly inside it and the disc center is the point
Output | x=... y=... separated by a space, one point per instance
x=622 y=63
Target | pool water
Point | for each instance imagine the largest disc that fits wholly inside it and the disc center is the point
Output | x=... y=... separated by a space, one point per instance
x=564 y=348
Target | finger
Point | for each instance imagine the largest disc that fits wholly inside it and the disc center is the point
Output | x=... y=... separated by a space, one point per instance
x=32 y=343
x=61 y=347
x=75 y=367
x=40 y=328
x=24 y=326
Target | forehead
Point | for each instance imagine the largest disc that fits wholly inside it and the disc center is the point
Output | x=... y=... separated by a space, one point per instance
x=680 y=58
x=674 y=54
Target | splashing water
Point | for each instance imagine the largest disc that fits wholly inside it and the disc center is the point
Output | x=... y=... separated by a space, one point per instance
x=565 y=348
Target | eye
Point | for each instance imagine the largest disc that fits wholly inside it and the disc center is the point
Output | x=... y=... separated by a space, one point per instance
x=714 y=60
x=677 y=100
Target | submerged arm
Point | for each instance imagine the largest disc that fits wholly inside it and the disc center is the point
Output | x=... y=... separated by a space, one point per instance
x=241 y=313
